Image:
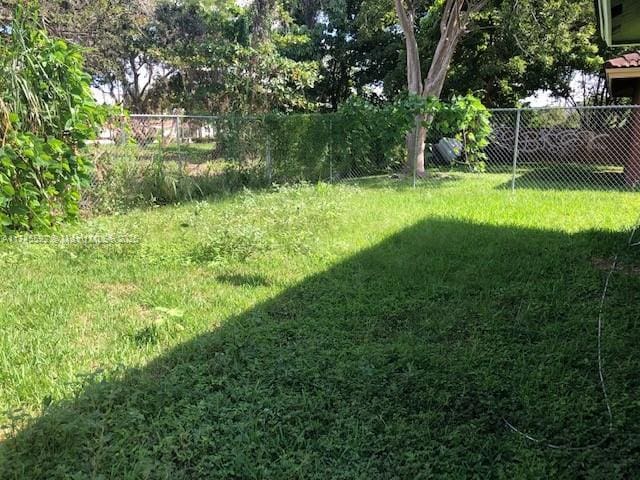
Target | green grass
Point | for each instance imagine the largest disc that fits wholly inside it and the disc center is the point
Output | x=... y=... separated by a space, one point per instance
x=353 y=331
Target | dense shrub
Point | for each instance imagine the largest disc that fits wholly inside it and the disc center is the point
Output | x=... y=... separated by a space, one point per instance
x=370 y=138
x=466 y=119
x=298 y=147
x=47 y=114
x=363 y=138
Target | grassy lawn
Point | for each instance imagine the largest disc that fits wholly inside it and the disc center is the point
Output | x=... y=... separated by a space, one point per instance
x=362 y=330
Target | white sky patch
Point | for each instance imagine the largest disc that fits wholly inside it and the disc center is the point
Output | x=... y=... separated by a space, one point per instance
x=543 y=98
x=103 y=98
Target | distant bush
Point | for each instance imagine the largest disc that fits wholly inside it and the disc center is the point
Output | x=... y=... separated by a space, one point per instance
x=466 y=119
x=363 y=138
x=47 y=114
x=359 y=137
x=371 y=138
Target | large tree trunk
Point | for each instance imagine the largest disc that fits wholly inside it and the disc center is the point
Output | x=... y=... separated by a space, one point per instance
x=454 y=20
x=416 y=147
x=415 y=139
x=262 y=17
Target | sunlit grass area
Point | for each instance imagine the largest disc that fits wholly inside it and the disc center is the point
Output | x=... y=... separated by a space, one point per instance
x=362 y=330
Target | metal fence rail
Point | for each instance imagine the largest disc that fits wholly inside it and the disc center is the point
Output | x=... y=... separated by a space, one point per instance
x=544 y=148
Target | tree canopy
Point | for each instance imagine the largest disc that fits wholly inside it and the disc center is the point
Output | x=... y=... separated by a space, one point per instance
x=310 y=55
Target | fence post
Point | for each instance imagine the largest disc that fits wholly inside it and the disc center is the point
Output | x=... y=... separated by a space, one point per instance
x=179 y=139
x=515 y=151
x=178 y=127
x=330 y=147
x=268 y=161
x=415 y=165
x=416 y=144
x=123 y=130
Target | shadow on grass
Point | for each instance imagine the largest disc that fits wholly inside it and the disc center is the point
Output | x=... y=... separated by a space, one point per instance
x=434 y=179
x=399 y=362
x=568 y=177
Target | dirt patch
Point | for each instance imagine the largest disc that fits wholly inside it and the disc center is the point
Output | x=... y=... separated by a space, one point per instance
x=605 y=265
x=206 y=169
x=116 y=290
x=141 y=312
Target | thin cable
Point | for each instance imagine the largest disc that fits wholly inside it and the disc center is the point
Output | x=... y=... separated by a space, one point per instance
x=552 y=445
x=603 y=385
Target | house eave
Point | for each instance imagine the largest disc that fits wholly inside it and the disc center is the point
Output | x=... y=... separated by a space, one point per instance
x=625 y=35
x=623 y=82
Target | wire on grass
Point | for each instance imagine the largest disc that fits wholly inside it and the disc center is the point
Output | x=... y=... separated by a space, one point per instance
x=603 y=385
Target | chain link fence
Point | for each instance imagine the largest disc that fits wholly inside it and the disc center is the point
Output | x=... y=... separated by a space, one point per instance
x=254 y=148
x=567 y=148
x=545 y=148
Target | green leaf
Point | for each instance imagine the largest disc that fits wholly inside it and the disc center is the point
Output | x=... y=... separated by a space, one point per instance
x=8 y=190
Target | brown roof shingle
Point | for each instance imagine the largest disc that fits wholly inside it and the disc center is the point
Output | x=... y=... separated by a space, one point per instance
x=627 y=60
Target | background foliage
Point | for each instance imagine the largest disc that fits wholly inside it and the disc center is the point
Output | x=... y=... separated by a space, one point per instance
x=46 y=115
x=466 y=119
x=219 y=57
x=361 y=137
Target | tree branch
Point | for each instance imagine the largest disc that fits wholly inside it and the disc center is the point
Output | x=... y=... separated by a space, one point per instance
x=414 y=74
x=475 y=7
x=149 y=80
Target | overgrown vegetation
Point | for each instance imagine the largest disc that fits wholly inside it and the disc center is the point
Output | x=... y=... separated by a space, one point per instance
x=365 y=331
x=466 y=119
x=125 y=181
x=47 y=114
x=361 y=139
